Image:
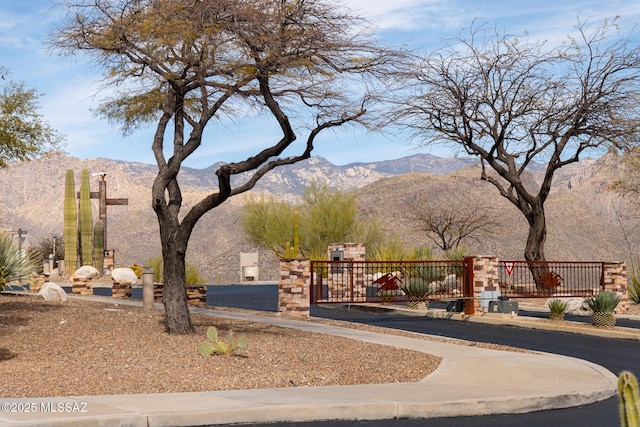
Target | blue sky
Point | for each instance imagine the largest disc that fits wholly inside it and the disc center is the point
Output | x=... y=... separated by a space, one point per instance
x=70 y=85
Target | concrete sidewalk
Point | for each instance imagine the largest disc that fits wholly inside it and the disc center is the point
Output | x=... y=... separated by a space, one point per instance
x=470 y=381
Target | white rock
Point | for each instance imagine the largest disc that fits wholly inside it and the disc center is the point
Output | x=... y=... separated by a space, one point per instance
x=450 y=282
x=52 y=292
x=86 y=272
x=124 y=276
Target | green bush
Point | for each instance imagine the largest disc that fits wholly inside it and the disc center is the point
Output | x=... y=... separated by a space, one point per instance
x=192 y=275
x=459 y=253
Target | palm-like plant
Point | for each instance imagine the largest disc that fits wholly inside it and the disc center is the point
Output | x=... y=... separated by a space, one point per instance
x=603 y=305
x=557 y=307
x=15 y=264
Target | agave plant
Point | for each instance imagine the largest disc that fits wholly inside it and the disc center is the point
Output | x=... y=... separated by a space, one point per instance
x=603 y=305
x=634 y=287
x=557 y=307
x=15 y=264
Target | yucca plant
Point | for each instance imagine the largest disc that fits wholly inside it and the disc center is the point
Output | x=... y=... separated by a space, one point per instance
x=603 y=305
x=557 y=308
x=633 y=287
x=416 y=289
x=15 y=264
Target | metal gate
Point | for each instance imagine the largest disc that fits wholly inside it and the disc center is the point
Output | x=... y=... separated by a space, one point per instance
x=352 y=282
x=540 y=279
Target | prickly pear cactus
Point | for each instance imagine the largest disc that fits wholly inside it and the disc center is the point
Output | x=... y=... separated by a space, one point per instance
x=629 y=400
x=213 y=346
x=70 y=223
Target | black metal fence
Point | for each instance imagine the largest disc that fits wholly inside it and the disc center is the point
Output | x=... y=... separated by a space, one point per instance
x=347 y=282
x=529 y=279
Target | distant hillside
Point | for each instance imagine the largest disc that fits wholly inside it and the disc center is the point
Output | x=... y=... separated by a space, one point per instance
x=581 y=218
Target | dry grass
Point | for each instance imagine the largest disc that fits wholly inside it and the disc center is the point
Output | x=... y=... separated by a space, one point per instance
x=89 y=348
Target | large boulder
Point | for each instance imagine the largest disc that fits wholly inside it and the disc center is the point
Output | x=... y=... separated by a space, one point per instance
x=52 y=292
x=124 y=276
x=86 y=272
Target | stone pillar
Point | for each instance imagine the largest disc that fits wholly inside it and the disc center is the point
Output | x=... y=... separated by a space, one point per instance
x=485 y=277
x=615 y=280
x=343 y=281
x=294 y=286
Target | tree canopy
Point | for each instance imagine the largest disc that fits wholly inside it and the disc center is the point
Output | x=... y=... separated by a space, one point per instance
x=24 y=134
x=324 y=216
x=302 y=66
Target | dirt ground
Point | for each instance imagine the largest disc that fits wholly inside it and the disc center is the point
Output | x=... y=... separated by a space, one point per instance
x=89 y=348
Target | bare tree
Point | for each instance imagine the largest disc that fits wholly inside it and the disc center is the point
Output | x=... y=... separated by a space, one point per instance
x=303 y=64
x=515 y=103
x=447 y=222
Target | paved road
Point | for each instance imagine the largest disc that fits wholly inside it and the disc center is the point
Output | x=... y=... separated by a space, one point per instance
x=615 y=355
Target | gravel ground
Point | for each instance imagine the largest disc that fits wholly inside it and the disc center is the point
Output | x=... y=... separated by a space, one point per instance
x=92 y=348
x=89 y=348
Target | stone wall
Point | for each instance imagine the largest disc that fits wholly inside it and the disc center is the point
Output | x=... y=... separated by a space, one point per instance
x=295 y=283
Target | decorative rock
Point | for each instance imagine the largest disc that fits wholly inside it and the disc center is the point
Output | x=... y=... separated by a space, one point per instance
x=86 y=272
x=52 y=292
x=124 y=276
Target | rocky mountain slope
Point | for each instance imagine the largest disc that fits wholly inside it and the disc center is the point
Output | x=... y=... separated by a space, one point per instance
x=584 y=218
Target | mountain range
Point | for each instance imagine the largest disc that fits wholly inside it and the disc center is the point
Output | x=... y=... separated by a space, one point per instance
x=586 y=221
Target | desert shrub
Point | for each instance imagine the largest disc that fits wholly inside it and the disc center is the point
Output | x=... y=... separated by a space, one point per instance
x=136 y=269
x=390 y=249
x=457 y=254
x=192 y=275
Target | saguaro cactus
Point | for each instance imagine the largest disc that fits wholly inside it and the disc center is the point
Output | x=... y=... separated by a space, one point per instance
x=98 y=245
x=629 y=400
x=70 y=223
x=85 y=220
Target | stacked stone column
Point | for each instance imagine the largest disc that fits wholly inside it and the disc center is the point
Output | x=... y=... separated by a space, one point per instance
x=485 y=278
x=294 y=286
x=615 y=280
